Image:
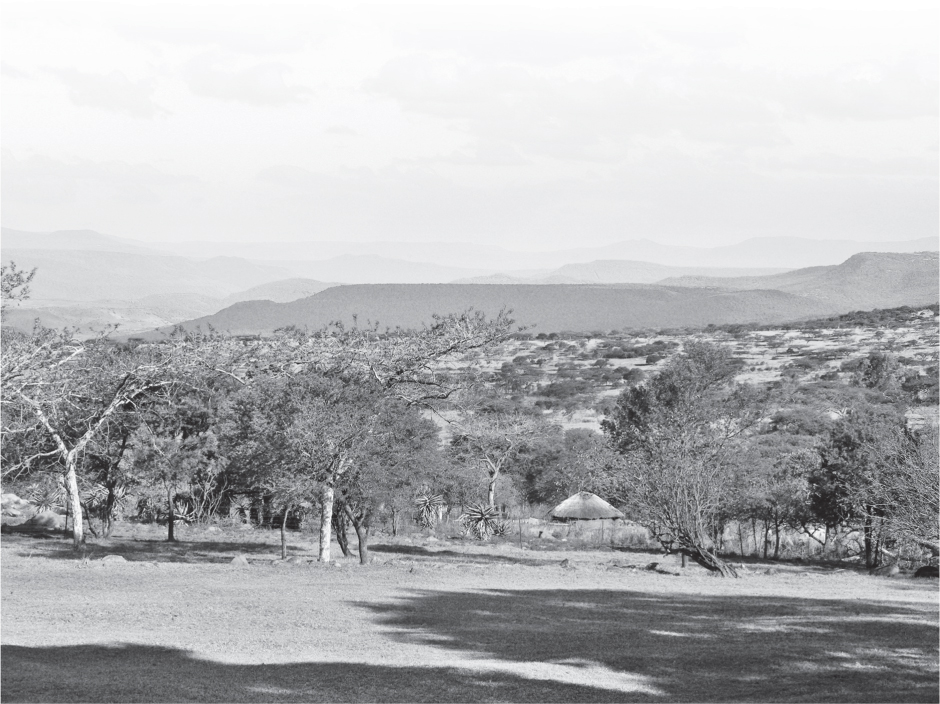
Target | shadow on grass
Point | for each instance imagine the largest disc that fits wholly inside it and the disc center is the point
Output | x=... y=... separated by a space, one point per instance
x=141 y=673
x=147 y=550
x=690 y=647
x=444 y=555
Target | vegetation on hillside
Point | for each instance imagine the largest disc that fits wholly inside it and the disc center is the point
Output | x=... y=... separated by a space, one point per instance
x=812 y=436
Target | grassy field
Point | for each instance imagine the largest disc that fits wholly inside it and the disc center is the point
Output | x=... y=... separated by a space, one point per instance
x=447 y=620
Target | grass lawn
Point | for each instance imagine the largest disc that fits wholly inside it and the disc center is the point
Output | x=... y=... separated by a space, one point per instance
x=447 y=621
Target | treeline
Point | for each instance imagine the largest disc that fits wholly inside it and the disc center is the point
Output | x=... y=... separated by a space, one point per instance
x=365 y=427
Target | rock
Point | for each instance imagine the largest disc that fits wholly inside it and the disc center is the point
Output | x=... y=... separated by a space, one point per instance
x=885 y=570
x=47 y=520
x=12 y=512
x=432 y=539
x=239 y=561
x=113 y=558
x=12 y=501
x=927 y=572
x=295 y=561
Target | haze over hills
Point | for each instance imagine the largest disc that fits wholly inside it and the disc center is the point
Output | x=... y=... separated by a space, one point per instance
x=72 y=239
x=281 y=291
x=617 y=272
x=759 y=252
x=865 y=281
x=371 y=269
x=90 y=279
x=88 y=275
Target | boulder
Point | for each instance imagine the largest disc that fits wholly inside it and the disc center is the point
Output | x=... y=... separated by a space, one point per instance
x=239 y=561
x=928 y=572
x=886 y=570
x=112 y=559
x=47 y=520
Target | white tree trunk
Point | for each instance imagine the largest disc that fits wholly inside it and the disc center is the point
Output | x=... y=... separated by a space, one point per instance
x=75 y=502
x=326 y=517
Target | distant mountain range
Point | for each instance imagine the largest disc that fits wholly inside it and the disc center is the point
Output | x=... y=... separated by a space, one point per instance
x=864 y=281
x=617 y=272
x=758 y=252
x=89 y=279
x=869 y=280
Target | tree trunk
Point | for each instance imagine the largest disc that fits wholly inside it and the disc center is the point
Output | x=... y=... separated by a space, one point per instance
x=491 y=491
x=394 y=523
x=869 y=552
x=766 y=538
x=106 y=519
x=340 y=528
x=74 y=502
x=776 y=540
x=326 y=521
x=712 y=562
x=284 y=532
x=361 y=525
x=171 y=517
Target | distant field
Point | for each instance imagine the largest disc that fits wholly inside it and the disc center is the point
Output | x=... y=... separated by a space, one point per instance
x=448 y=620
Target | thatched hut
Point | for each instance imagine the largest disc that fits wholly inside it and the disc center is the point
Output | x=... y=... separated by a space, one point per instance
x=584 y=506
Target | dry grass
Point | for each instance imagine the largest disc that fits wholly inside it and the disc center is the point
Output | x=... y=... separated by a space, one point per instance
x=448 y=621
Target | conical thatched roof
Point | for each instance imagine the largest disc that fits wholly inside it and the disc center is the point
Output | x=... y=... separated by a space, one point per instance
x=584 y=506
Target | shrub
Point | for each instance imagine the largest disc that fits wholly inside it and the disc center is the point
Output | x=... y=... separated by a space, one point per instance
x=482 y=521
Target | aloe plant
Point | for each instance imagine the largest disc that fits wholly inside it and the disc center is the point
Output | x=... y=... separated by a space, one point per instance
x=427 y=507
x=482 y=521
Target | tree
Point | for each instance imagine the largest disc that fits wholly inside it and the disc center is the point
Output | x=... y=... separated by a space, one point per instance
x=679 y=436
x=493 y=439
x=14 y=285
x=844 y=490
x=908 y=484
x=176 y=449
x=401 y=456
x=296 y=435
x=64 y=392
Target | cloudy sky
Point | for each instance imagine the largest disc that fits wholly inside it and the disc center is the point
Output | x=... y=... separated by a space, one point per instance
x=528 y=124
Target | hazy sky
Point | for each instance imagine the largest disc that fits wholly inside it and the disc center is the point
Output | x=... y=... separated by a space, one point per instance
x=529 y=124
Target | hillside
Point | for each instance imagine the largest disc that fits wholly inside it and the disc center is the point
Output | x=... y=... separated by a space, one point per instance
x=282 y=291
x=864 y=281
x=551 y=308
x=70 y=240
x=149 y=312
x=85 y=275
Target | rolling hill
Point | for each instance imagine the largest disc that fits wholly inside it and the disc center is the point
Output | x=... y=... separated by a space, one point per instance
x=864 y=281
x=872 y=280
x=550 y=308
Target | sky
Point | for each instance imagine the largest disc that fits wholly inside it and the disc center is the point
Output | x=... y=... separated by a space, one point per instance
x=533 y=125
